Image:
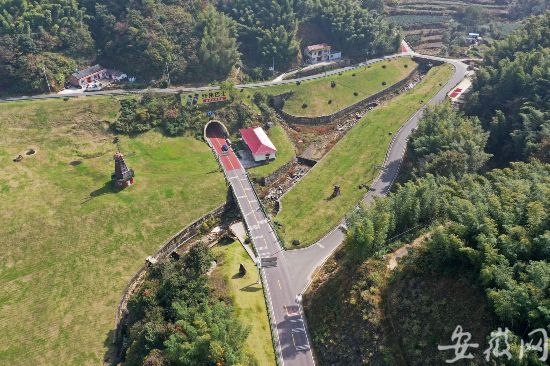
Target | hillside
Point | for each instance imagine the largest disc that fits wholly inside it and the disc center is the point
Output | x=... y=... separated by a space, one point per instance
x=459 y=242
x=69 y=243
x=163 y=42
x=441 y=26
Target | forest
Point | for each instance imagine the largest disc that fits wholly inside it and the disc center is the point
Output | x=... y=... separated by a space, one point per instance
x=183 y=41
x=175 y=319
x=474 y=200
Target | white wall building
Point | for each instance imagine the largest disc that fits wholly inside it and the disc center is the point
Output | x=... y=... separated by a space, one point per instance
x=321 y=53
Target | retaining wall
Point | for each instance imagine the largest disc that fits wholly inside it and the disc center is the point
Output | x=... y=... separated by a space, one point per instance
x=319 y=70
x=277 y=103
x=265 y=181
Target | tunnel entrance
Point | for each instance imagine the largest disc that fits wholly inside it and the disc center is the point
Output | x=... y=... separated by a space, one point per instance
x=215 y=129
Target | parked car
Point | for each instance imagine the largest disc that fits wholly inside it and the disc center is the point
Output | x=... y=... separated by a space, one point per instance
x=94 y=87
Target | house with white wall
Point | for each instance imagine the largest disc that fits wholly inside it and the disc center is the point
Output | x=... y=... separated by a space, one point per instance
x=321 y=53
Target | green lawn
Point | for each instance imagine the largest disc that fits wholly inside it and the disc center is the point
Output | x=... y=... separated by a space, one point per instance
x=68 y=244
x=307 y=214
x=285 y=152
x=317 y=93
x=367 y=81
x=248 y=299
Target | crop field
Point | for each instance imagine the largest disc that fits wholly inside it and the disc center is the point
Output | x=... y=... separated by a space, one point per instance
x=247 y=297
x=425 y=21
x=69 y=244
x=307 y=212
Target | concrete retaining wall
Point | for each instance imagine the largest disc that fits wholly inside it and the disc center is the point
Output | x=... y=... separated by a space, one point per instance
x=277 y=103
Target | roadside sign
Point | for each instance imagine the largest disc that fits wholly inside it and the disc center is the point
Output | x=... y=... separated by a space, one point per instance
x=205 y=97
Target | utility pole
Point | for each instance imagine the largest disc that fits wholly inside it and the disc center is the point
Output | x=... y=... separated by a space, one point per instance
x=167 y=71
x=46 y=77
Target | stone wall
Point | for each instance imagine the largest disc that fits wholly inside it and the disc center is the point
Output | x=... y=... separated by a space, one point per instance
x=182 y=237
x=276 y=101
x=266 y=181
x=319 y=70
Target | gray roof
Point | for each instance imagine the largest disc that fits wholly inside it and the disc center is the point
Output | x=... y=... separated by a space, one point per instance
x=88 y=71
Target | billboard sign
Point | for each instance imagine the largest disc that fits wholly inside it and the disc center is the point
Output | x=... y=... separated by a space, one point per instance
x=203 y=97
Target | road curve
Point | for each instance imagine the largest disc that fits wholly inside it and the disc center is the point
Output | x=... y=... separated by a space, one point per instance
x=285 y=282
x=304 y=262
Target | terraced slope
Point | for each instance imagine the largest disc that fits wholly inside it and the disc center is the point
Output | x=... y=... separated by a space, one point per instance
x=425 y=21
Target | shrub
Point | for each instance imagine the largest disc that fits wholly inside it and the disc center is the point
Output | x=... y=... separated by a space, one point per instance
x=383 y=66
x=355 y=93
x=330 y=101
x=405 y=66
x=304 y=106
x=352 y=74
x=333 y=84
x=298 y=82
x=383 y=83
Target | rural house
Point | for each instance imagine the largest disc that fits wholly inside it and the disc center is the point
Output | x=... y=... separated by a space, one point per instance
x=95 y=73
x=320 y=53
x=87 y=76
x=259 y=143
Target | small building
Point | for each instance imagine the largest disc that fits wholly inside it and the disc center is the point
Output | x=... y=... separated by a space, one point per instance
x=87 y=76
x=473 y=38
x=93 y=74
x=259 y=143
x=321 y=53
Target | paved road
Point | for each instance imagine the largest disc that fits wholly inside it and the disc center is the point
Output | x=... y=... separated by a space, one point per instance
x=285 y=282
x=192 y=89
x=292 y=339
x=304 y=262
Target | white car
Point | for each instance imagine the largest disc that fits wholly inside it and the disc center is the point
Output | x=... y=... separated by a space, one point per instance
x=94 y=87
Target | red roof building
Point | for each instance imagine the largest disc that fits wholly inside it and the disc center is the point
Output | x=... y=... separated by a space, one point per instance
x=259 y=143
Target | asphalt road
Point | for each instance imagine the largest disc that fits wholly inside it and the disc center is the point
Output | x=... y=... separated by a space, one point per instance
x=304 y=262
x=285 y=282
x=292 y=339
x=191 y=89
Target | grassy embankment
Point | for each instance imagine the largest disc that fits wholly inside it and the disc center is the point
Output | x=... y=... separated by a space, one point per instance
x=247 y=297
x=317 y=93
x=307 y=212
x=69 y=244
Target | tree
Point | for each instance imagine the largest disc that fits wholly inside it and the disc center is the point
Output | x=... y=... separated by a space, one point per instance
x=447 y=143
x=218 y=50
x=510 y=93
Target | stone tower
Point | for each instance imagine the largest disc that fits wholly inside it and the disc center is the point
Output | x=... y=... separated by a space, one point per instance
x=123 y=176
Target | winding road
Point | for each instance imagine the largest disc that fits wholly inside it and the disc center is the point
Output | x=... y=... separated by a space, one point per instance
x=287 y=273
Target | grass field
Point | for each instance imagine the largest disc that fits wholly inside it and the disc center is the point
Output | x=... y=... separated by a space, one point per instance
x=367 y=81
x=307 y=212
x=248 y=299
x=68 y=245
x=317 y=93
x=285 y=152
